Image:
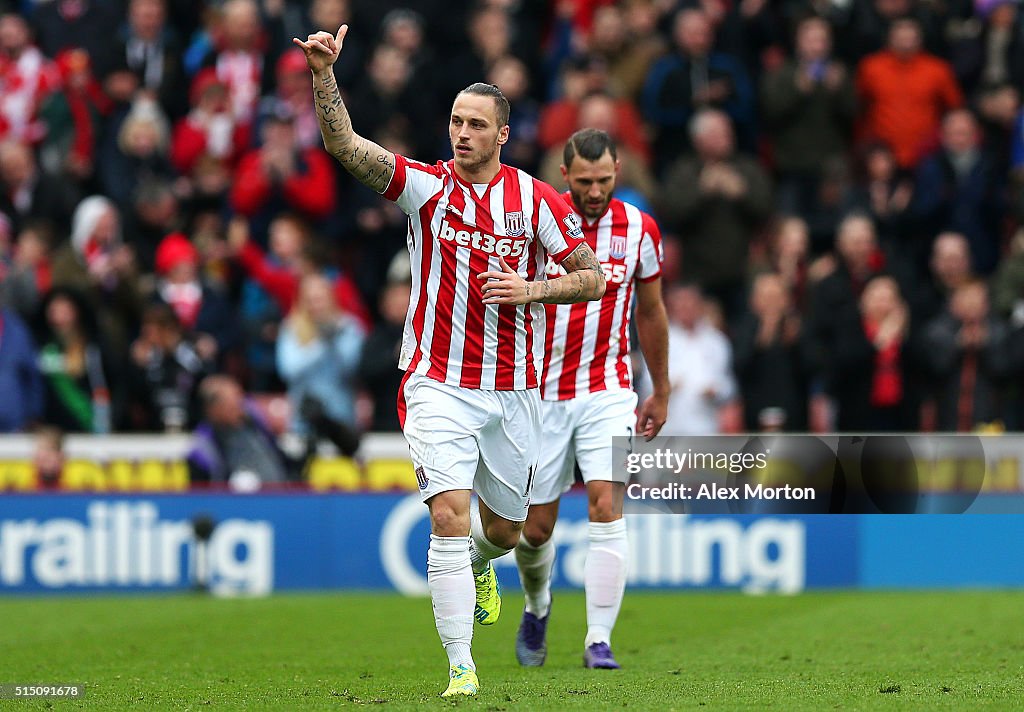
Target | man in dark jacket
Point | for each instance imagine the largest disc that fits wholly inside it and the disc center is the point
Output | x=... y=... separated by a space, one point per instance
x=968 y=353
x=717 y=200
x=809 y=105
x=232 y=444
x=960 y=189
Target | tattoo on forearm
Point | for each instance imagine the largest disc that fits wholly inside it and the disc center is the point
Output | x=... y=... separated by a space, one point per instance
x=583 y=282
x=368 y=163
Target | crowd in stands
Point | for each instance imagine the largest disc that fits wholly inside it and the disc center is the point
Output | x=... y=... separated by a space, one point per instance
x=840 y=185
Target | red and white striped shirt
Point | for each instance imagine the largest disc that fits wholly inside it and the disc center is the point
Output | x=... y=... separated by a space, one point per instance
x=586 y=346
x=456 y=231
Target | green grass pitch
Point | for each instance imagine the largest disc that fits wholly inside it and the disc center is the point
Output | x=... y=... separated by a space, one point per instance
x=684 y=651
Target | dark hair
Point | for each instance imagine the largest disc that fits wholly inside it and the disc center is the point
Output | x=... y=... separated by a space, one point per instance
x=162 y=315
x=588 y=144
x=500 y=102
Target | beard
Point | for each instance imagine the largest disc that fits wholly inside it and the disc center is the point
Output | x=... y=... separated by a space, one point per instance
x=587 y=211
x=474 y=161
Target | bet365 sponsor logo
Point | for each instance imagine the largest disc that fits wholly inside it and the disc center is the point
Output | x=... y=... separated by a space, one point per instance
x=500 y=246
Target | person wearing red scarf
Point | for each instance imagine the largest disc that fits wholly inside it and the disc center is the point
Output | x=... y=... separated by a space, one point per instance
x=204 y=314
x=872 y=362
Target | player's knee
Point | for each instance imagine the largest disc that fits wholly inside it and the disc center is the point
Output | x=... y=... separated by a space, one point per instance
x=538 y=533
x=602 y=508
x=505 y=534
x=446 y=520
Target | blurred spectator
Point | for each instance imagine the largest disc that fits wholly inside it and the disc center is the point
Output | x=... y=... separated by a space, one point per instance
x=387 y=98
x=203 y=312
x=98 y=265
x=48 y=457
x=82 y=377
x=232 y=445
x=700 y=366
x=26 y=77
x=828 y=211
x=789 y=259
x=716 y=200
x=772 y=360
x=335 y=13
x=209 y=140
x=989 y=49
x=489 y=33
x=903 y=94
x=808 y=108
x=960 y=189
x=153 y=213
x=872 y=362
x=834 y=299
x=511 y=77
x=403 y=29
x=318 y=352
x=950 y=269
x=29 y=271
x=998 y=107
x=74 y=116
x=294 y=257
x=279 y=176
x=28 y=193
x=625 y=37
x=883 y=191
x=240 y=55
x=293 y=91
x=22 y=403
x=166 y=371
x=378 y=364
x=586 y=76
x=148 y=47
x=635 y=183
x=694 y=77
x=866 y=25
x=1008 y=284
x=66 y=24
x=968 y=353
x=139 y=156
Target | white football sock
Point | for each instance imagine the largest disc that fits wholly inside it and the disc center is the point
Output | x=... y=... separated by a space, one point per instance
x=604 y=578
x=481 y=550
x=453 y=595
x=535 y=564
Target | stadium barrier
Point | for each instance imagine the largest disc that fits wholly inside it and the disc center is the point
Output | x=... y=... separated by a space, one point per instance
x=104 y=542
x=155 y=463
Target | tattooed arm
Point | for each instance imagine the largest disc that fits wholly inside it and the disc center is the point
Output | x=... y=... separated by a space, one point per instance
x=368 y=163
x=584 y=282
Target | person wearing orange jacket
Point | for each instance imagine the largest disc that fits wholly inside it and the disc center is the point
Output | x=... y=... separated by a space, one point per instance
x=904 y=92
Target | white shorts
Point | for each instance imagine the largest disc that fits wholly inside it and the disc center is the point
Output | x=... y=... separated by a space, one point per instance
x=473 y=439
x=580 y=430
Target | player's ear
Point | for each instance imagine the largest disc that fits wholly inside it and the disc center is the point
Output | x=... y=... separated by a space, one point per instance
x=565 y=172
x=503 y=135
x=618 y=167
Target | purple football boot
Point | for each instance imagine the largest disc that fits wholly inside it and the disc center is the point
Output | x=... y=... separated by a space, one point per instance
x=599 y=656
x=531 y=646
